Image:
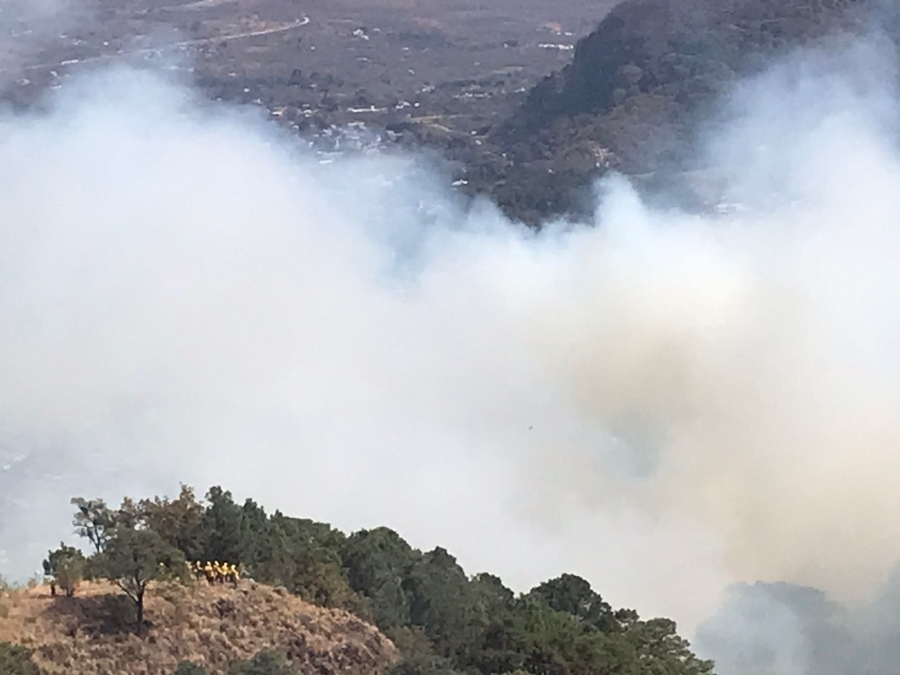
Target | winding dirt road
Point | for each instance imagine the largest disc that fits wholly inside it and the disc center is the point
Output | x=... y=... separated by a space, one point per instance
x=162 y=48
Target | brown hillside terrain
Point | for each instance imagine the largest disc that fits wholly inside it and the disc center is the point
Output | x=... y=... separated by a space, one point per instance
x=209 y=625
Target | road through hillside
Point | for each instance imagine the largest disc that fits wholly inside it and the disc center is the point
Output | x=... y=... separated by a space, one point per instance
x=167 y=47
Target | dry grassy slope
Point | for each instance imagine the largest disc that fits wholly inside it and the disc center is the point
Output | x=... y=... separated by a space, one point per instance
x=208 y=625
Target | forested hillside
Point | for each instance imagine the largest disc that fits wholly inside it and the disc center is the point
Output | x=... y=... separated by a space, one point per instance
x=639 y=87
x=442 y=620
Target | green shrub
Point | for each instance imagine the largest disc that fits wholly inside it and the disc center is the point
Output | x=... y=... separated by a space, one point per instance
x=65 y=567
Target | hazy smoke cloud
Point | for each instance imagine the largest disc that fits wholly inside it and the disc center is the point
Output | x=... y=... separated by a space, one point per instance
x=28 y=11
x=662 y=402
x=779 y=629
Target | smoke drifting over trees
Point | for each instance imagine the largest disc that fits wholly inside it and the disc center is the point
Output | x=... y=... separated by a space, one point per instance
x=662 y=403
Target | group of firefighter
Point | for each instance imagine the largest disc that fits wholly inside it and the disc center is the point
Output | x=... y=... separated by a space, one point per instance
x=216 y=573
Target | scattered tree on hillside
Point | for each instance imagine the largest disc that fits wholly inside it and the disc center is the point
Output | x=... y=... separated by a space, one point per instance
x=302 y=555
x=93 y=520
x=178 y=521
x=222 y=527
x=188 y=668
x=572 y=594
x=442 y=603
x=132 y=558
x=254 y=526
x=664 y=651
x=377 y=563
x=65 y=568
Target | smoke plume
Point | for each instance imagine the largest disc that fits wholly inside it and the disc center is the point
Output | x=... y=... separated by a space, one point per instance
x=783 y=629
x=663 y=402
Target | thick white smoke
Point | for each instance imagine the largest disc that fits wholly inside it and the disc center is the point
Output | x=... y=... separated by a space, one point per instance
x=661 y=402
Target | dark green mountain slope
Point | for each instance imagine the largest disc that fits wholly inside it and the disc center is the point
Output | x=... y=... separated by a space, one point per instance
x=639 y=85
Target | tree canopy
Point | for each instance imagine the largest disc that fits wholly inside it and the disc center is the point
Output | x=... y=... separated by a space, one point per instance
x=132 y=558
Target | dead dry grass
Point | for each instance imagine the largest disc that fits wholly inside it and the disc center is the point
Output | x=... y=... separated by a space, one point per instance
x=90 y=633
